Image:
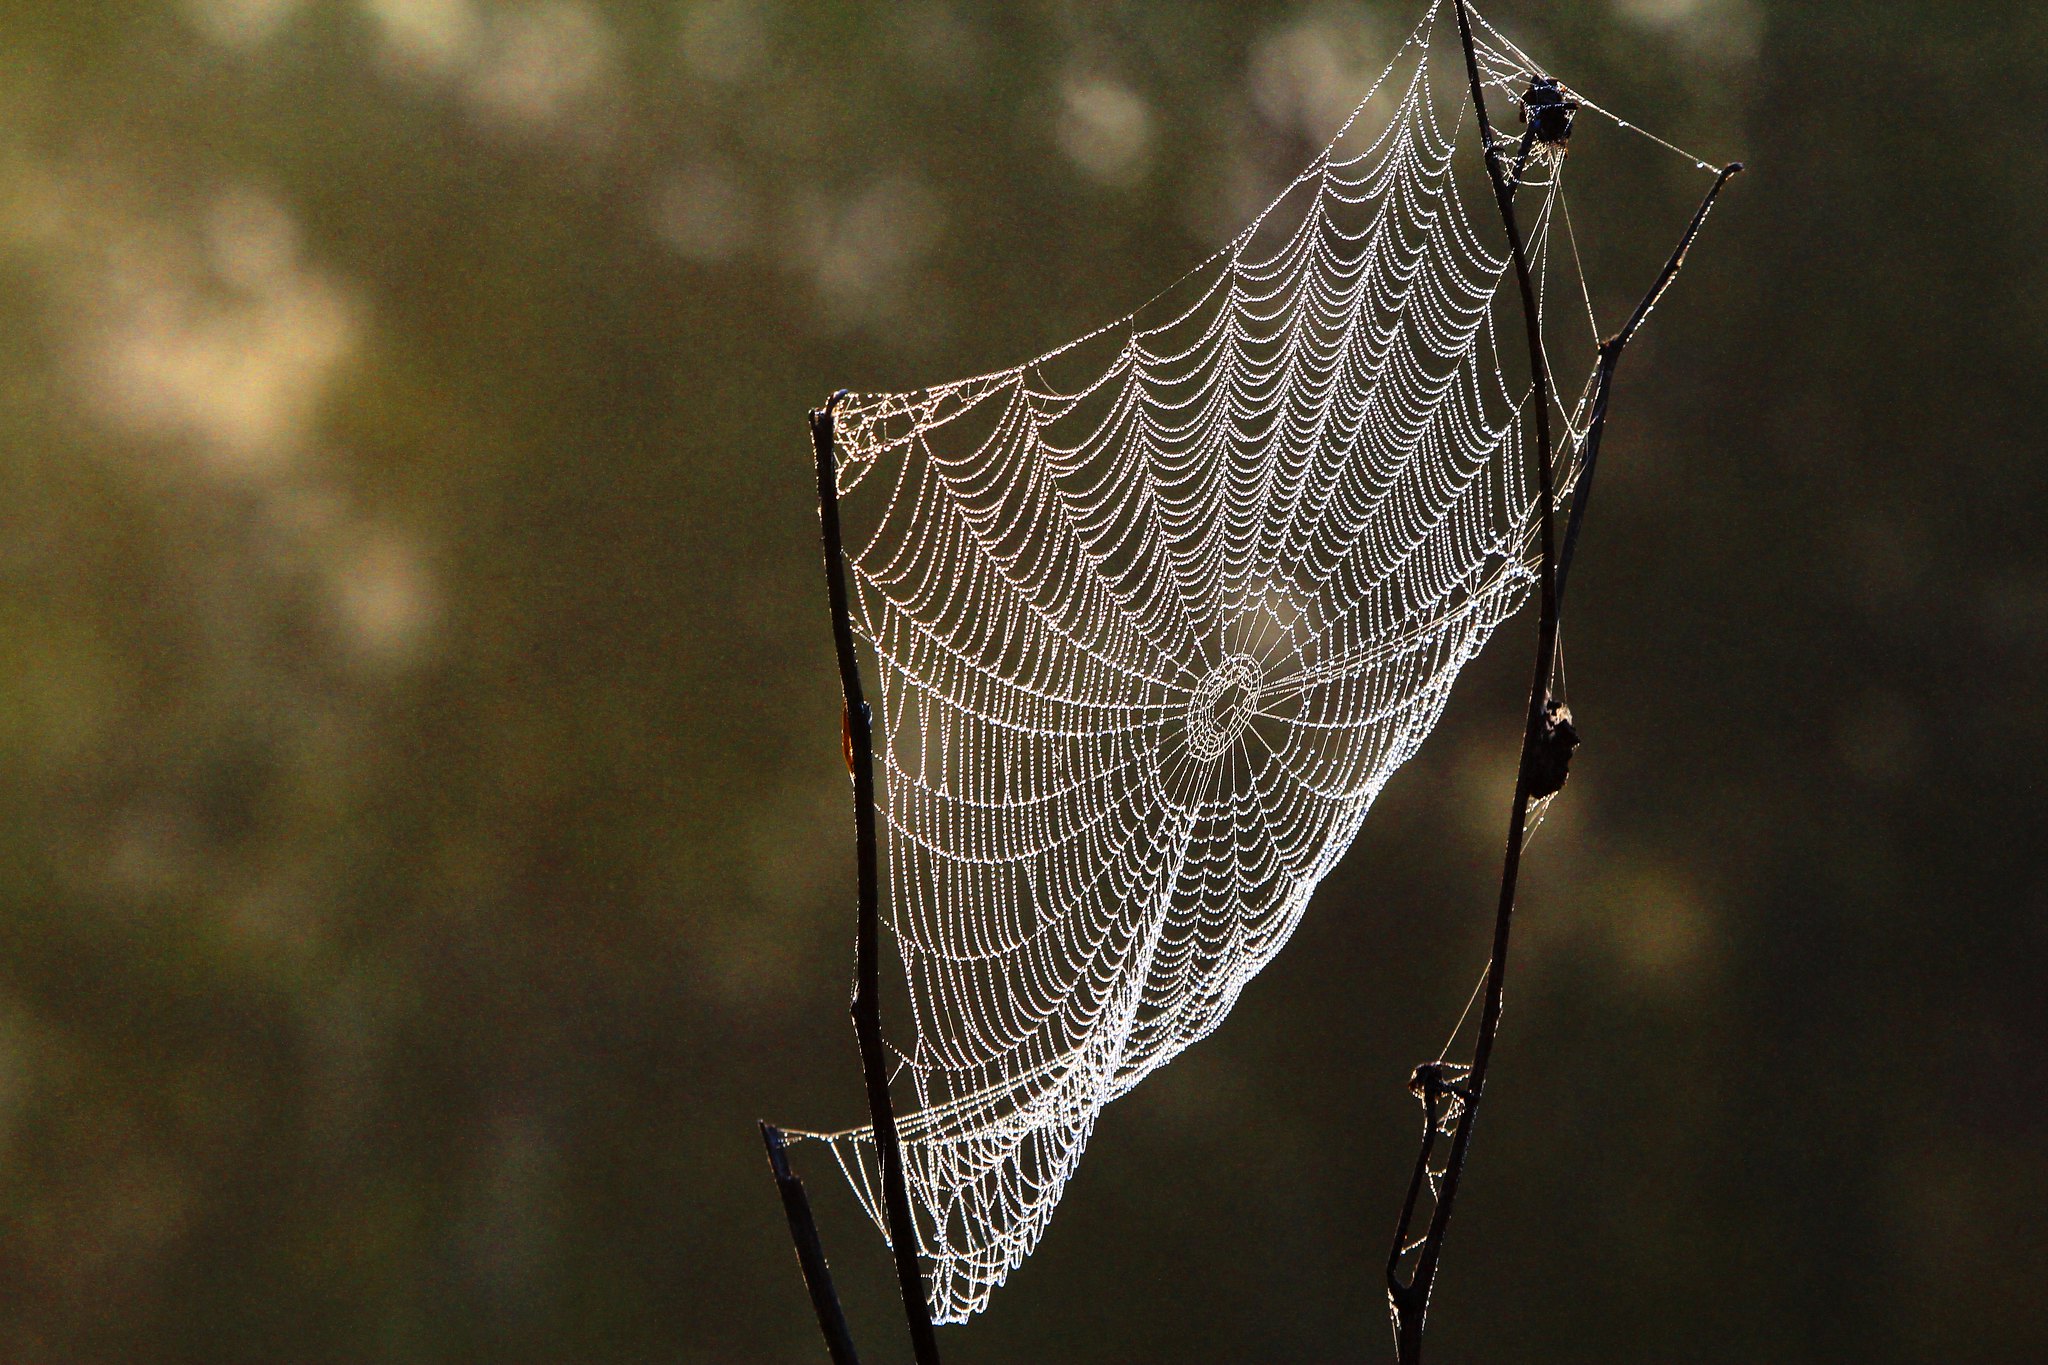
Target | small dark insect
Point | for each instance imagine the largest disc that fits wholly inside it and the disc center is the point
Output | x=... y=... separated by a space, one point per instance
x=1548 y=111
x=1445 y=1083
x=1551 y=758
x=1437 y=1078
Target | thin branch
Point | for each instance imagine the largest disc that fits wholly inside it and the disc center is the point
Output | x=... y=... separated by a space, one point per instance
x=867 y=989
x=1426 y=1084
x=810 y=1253
x=1410 y=1301
x=1522 y=160
x=1610 y=359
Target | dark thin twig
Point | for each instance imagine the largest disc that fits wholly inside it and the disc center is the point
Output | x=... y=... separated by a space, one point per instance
x=1610 y=358
x=1430 y=1128
x=1522 y=160
x=867 y=989
x=810 y=1252
x=1410 y=1301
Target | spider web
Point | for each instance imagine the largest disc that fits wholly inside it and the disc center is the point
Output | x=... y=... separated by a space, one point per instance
x=1156 y=616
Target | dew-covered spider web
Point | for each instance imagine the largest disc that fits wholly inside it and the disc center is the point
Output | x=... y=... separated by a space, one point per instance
x=1156 y=615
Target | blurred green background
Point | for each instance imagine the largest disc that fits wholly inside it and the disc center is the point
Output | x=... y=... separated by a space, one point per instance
x=423 y=843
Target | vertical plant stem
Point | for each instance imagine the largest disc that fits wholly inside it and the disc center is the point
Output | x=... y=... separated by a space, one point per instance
x=867 y=987
x=1411 y=1301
